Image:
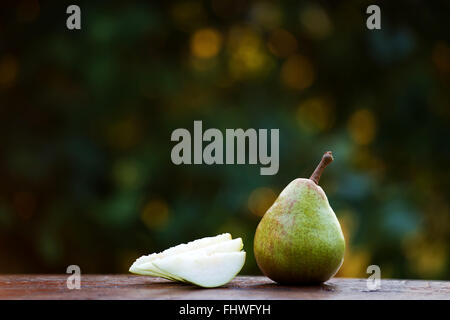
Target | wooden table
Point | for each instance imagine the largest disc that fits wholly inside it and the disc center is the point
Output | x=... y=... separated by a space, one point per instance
x=246 y=287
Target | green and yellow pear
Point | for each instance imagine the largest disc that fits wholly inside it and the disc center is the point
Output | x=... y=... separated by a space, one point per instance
x=299 y=239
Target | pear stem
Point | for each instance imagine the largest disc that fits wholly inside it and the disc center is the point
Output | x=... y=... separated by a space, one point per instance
x=326 y=160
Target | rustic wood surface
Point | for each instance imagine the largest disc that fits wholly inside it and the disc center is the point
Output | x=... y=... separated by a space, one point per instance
x=246 y=287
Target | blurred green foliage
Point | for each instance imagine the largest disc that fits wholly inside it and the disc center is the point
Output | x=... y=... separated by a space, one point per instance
x=86 y=118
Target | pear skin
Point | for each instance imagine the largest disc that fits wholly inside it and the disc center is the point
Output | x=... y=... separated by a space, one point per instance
x=299 y=239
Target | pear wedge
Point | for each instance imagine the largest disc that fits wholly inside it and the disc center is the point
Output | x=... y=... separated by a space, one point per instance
x=202 y=269
x=151 y=270
x=234 y=245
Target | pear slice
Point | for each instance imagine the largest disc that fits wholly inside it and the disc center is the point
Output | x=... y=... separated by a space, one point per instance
x=234 y=245
x=202 y=269
x=150 y=270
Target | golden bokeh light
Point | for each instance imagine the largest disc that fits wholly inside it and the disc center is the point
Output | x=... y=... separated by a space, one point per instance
x=127 y=174
x=356 y=259
x=297 y=73
x=348 y=222
x=316 y=22
x=8 y=70
x=362 y=126
x=282 y=43
x=425 y=257
x=206 y=43
x=247 y=55
x=155 y=214
x=316 y=114
x=260 y=200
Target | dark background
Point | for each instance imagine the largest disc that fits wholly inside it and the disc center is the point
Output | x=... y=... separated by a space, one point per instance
x=86 y=118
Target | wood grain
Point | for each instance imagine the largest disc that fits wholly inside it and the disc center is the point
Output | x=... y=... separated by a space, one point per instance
x=246 y=287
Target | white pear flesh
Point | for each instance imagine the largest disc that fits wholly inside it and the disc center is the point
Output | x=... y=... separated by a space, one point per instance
x=202 y=269
x=149 y=269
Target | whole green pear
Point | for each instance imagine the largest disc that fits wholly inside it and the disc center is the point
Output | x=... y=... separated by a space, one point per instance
x=299 y=239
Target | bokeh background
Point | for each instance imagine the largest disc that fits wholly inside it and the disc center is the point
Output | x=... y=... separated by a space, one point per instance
x=86 y=118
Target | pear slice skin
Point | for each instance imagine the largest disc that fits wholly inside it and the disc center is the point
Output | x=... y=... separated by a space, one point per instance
x=151 y=270
x=148 y=269
x=155 y=272
x=204 y=270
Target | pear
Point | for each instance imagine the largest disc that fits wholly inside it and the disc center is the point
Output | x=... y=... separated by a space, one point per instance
x=299 y=239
